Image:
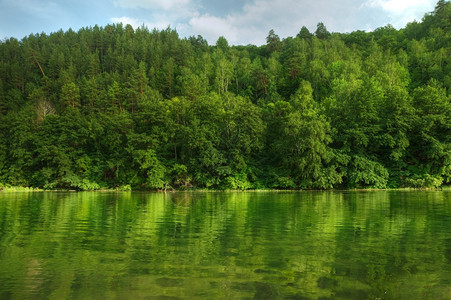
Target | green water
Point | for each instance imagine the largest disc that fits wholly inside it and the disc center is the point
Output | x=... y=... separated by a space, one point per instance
x=287 y=245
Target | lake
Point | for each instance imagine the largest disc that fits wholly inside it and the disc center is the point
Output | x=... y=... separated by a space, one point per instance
x=226 y=245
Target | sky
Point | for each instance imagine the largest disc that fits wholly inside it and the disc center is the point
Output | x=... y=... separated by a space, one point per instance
x=241 y=22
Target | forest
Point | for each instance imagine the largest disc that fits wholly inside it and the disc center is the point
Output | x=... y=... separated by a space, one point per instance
x=122 y=108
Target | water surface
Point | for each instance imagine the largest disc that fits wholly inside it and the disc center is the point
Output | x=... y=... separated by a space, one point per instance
x=244 y=245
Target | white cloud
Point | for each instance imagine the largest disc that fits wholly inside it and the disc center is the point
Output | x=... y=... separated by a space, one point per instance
x=240 y=21
x=135 y=23
x=402 y=11
x=152 y=4
x=286 y=17
x=399 y=6
x=158 y=13
x=212 y=27
x=250 y=23
x=126 y=20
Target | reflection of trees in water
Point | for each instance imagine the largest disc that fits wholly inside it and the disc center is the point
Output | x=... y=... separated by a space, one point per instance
x=226 y=245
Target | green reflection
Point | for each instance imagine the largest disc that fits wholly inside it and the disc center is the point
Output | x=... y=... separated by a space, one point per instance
x=303 y=245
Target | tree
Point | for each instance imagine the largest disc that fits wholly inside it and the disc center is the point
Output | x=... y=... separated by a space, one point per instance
x=224 y=72
x=242 y=130
x=191 y=84
x=321 y=31
x=166 y=77
x=137 y=85
x=356 y=125
x=70 y=94
x=222 y=44
x=304 y=33
x=42 y=104
x=430 y=149
x=273 y=42
x=115 y=96
x=301 y=144
x=397 y=116
x=113 y=106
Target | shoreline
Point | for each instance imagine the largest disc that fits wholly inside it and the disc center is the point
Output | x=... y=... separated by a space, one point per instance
x=31 y=189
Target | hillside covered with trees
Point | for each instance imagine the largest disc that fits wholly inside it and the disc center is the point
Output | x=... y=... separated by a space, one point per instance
x=109 y=107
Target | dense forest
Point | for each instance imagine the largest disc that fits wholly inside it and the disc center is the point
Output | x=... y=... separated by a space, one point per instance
x=115 y=107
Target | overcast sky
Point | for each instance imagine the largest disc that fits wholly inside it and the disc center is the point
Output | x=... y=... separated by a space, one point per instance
x=239 y=21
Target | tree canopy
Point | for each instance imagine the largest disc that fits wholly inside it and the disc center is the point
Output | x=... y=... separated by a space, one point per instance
x=117 y=107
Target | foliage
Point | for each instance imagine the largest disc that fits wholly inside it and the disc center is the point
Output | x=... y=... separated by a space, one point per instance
x=117 y=107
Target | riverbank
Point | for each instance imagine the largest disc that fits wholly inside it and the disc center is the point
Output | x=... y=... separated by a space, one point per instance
x=6 y=188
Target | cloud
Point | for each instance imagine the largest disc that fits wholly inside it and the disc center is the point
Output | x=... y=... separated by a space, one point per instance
x=152 y=4
x=240 y=21
x=401 y=12
x=212 y=27
x=157 y=13
x=126 y=20
x=253 y=22
x=399 y=6
x=136 y=23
